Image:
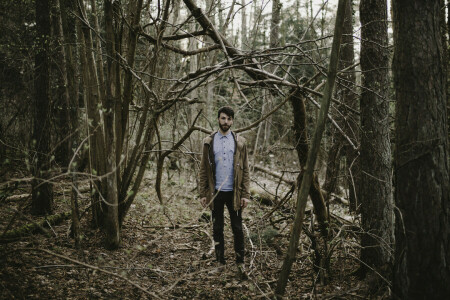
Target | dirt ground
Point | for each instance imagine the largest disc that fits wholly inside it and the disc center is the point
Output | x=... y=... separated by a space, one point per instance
x=166 y=252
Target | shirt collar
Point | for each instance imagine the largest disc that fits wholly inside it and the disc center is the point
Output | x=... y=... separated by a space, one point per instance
x=226 y=136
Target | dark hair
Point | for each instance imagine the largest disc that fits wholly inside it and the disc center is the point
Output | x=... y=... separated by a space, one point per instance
x=226 y=110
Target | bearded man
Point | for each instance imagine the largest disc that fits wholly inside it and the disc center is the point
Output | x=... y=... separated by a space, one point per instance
x=225 y=180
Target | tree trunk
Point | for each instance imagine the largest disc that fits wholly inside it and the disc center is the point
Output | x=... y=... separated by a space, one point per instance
x=422 y=252
x=244 y=40
x=42 y=190
x=275 y=24
x=61 y=103
x=333 y=163
x=376 y=180
x=128 y=77
x=351 y=125
x=68 y=8
x=445 y=14
x=112 y=213
x=98 y=53
x=301 y=145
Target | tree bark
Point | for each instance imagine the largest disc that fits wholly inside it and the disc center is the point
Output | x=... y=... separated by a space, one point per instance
x=42 y=190
x=422 y=252
x=376 y=180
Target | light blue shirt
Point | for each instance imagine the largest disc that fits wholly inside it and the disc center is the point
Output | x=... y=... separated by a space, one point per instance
x=224 y=158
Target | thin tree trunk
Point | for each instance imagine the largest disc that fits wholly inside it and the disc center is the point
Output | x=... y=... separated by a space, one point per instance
x=98 y=51
x=112 y=214
x=61 y=103
x=351 y=125
x=244 y=40
x=275 y=24
x=128 y=77
x=42 y=190
x=68 y=9
x=422 y=193
x=333 y=163
x=346 y=119
x=301 y=145
x=312 y=154
x=93 y=99
x=75 y=214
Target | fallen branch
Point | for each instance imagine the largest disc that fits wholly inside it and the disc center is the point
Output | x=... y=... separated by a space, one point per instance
x=274 y=174
x=262 y=196
x=31 y=228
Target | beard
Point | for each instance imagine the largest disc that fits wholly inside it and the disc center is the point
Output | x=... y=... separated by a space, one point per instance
x=224 y=128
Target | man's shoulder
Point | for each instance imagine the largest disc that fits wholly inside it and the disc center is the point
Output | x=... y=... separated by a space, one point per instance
x=209 y=138
x=240 y=140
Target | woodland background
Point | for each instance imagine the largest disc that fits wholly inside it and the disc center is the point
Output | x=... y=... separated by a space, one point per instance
x=104 y=107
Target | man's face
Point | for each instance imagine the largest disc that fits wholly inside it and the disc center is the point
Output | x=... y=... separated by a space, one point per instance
x=225 y=122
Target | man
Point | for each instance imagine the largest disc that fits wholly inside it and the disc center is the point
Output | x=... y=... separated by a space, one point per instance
x=225 y=180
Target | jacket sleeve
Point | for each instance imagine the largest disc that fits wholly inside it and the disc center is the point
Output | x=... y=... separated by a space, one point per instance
x=204 y=166
x=245 y=188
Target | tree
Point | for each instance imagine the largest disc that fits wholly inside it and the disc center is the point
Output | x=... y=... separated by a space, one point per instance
x=42 y=190
x=422 y=231
x=376 y=180
x=312 y=152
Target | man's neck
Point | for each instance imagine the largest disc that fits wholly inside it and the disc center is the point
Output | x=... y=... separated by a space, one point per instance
x=224 y=133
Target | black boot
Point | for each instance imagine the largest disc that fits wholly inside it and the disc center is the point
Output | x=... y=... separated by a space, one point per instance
x=220 y=256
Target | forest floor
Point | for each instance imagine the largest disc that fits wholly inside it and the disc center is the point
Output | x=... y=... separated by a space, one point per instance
x=166 y=251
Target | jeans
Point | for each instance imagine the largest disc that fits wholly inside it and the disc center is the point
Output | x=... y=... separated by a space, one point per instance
x=236 y=226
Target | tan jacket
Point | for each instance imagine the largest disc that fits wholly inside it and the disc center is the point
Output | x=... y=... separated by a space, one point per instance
x=241 y=185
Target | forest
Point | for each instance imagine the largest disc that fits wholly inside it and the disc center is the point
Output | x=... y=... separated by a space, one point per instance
x=344 y=106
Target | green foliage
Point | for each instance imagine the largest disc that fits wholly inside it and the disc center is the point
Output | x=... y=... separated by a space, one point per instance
x=267 y=235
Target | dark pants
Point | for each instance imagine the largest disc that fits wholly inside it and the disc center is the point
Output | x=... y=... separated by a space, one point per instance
x=236 y=226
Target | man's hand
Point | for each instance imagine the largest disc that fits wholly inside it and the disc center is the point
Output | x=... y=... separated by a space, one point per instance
x=203 y=201
x=244 y=202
